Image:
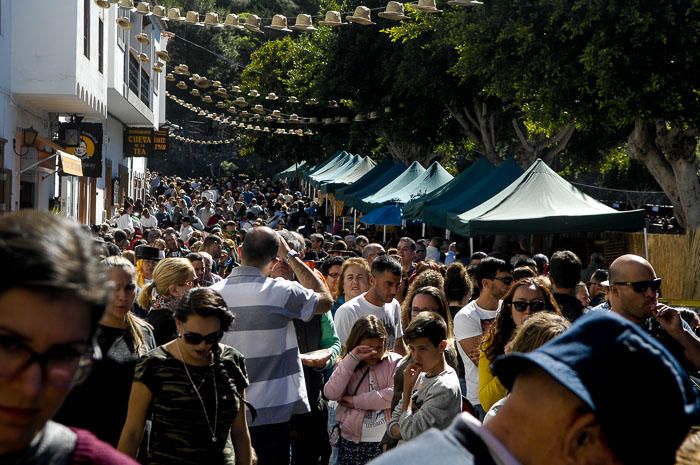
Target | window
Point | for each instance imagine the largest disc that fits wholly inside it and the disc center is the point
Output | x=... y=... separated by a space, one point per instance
x=134 y=71
x=139 y=80
x=86 y=28
x=145 y=88
x=101 y=45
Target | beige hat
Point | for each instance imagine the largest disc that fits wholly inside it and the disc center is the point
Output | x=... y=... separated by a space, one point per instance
x=362 y=15
x=193 y=18
x=220 y=105
x=143 y=8
x=216 y=84
x=271 y=96
x=182 y=70
x=359 y=118
x=258 y=109
x=279 y=23
x=293 y=118
x=266 y=129
x=332 y=19
x=304 y=23
x=124 y=22
x=143 y=38
x=221 y=92
x=393 y=11
x=308 y=132
x=160 y=12
x=253 y=93
x=103 y=3
x=232 y=22
x=207 y=99
x=163 y=55
x=373 y=115
x=427 y=6
x=174 y=15
x=332 y=104
x=240 y=102
x=128 y=4
x=252 y=23
x=312 y=101
x=327 y=120
x=313 y=120
x=194 y=92
x=231 y=110
x=170 y=77
x=212 y=20
x=276 y=114
x=236 y=89
x=181 y=85
x=292 y=99
x=143 y=58
x=158 y=67
x=202 y=83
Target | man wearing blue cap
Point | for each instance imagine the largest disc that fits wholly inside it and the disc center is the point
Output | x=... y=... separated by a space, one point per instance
x=604 y=392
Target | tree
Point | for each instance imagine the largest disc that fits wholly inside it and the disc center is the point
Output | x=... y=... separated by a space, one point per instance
x=628 y=67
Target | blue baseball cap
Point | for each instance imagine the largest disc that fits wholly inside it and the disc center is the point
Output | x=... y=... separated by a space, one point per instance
x=640 y=394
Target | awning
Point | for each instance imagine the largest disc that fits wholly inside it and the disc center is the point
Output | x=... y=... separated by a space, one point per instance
x=70 y=164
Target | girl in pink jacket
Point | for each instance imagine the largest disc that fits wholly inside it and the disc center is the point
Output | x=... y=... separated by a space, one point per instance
x=363 y=385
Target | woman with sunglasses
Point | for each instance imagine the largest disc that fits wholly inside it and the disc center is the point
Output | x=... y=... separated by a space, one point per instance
x=524 y=298
x=195 y=388
x=52 y=297
x=122 y=338
x=172 y=278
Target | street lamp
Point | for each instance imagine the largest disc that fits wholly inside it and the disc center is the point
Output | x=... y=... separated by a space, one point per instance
x=28 y=140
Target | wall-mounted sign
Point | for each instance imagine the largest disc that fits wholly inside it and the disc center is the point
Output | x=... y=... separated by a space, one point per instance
x=145 y=142
x=89 y=149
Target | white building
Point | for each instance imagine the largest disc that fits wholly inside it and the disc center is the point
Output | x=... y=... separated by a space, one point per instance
x=86 y=66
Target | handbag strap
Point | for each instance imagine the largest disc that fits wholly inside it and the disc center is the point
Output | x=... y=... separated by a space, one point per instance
x=360 y=382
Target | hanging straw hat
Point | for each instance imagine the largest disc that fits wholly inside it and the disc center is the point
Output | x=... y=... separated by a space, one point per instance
x=143 y=38
x=174 y=15
x=252 y=23
x=182 y=85
x=240 y=102
x=232 y=22
x=103 y=3
x=143 y=8
x=202 y=82
x=207 y=99
x=332 y=19
x=427 y=6
x=292 y=99
x=142 y=57
x=362 y=15
x=373 y=115
x=128 y=4
x=216 y=84
x=279 y=23
x=236 y=89
x=124 y=23
x=170 y=77
x=303 y=23
x=195 y=92
x=212 y=20
x=276 y=114
x=163 y=55
x=258 y=109
x=158 y=67
x=359 y=118
x=271 y=96
x=293 y=118
x=253 y=93
x=193 y=18
x=160 y=12
x=393 y=11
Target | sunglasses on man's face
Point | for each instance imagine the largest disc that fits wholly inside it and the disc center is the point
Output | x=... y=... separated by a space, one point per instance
x=642 y=286
x=196 y=338
x=534 y=305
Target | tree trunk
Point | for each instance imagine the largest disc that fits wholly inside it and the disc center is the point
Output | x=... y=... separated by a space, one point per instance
x=478 y=124
x=669 y=153
x=408 y=152
x=539 y=145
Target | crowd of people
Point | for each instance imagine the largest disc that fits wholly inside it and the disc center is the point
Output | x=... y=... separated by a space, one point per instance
x=227 y=322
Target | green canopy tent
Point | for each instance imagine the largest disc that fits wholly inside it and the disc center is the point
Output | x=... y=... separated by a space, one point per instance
x=463 y=181
x=482 y=189
x=350 y=176
x=373 y=181
x=290 y=172
x=337 y=160
x=384 y=193
x=541 y=201
x=337 y=171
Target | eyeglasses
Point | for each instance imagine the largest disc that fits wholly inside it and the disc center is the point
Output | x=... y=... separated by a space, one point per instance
x=196 y=338
x=507 y=280
x=63 y=366
x=642 y=286
x=534 y=305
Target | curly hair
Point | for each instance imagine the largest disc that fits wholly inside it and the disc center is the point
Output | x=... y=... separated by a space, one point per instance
x=428 y=277
x=502 y=329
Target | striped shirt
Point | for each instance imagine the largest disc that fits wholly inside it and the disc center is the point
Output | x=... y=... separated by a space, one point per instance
x=264 y=333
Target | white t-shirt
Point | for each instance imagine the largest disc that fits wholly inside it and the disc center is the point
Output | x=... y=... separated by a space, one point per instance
x=150 y=222
x=374 y=422
x=471 y=321
x=352 y=310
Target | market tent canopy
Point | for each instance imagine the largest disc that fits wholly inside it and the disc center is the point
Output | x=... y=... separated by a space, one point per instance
x=328 y=164
x=482 y=189
x=460 y=183
x=290 y=172
x=385 y=193
x=541 y=201
x=388 y=215
x=379 y=177
x=350 y=176
x=340 y=169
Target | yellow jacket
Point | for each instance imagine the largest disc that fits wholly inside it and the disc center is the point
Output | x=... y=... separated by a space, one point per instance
x=490 y=388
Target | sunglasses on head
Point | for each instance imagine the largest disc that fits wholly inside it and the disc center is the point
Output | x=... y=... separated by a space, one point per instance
x=642 y=286
x=535 y=305
x=196 y=338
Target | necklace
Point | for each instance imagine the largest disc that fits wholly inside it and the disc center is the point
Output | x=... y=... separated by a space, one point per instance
x=196 y=391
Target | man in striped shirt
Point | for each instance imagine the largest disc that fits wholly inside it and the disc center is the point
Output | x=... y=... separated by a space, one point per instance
x=264 y=332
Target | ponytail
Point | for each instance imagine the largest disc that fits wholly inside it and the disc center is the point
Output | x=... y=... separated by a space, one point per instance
x=145 y=299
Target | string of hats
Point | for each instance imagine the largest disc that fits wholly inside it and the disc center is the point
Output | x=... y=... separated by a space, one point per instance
x=253 y=23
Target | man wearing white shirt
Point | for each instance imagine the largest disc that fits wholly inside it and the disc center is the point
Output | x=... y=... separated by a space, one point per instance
x=471 y=323
x=148 y=221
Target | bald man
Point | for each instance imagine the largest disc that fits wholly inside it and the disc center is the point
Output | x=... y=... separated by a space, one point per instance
x=634 y=292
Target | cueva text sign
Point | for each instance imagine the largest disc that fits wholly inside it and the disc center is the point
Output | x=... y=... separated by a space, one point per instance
x=145 y=142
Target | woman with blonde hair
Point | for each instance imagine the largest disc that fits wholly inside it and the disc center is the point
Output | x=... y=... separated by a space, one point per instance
x=353 y=281
x=172 y=278
x=100 y=403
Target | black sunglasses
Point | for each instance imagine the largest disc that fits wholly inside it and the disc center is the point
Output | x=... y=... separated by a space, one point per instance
x=535 y=305
x=507 y=280
x=642 y=286
x=196 y=338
